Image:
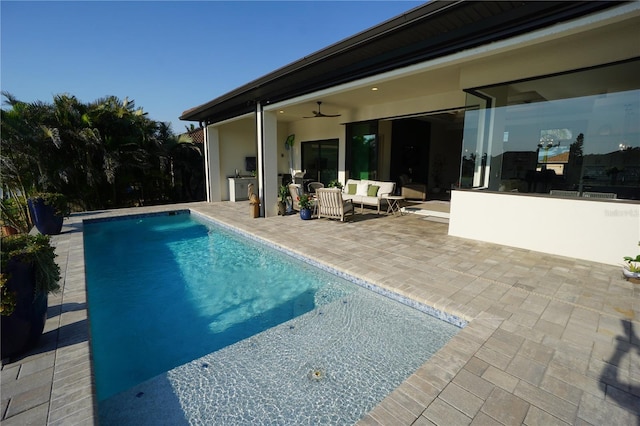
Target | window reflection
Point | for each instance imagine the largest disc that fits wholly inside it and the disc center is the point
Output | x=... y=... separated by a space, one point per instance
x=565 y=135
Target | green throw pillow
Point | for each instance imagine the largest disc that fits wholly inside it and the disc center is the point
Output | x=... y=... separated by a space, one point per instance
x=351 y=188
x=372 y=191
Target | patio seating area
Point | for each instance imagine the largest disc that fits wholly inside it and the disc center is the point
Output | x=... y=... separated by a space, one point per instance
x=550 y=340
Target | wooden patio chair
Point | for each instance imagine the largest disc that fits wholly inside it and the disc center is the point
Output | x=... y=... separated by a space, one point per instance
x=331 y=204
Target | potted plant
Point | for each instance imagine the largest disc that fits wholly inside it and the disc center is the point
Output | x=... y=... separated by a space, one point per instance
x=29 y=274
x=283 y=197
x=48 y=211
x=631 y=270
x=305 y=203
x=335 y=184
x=15 y=216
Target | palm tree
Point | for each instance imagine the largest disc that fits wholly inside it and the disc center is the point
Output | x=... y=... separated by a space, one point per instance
x=23 y=139
x=187 y=160
x=93 y=153
x=125 y=132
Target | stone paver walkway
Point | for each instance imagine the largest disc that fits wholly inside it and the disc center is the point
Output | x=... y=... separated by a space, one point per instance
x=550 y=340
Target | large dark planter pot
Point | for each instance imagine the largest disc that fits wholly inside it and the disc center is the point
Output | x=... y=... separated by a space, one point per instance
x=8 y=230
x=282 y=208
x=305 y=214
x=22 y=329
x=44 y=217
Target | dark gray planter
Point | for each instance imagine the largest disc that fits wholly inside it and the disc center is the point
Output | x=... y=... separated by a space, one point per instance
x=44 y=217
x=22 y=329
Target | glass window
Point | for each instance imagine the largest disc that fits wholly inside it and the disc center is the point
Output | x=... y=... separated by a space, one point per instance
x=574 y=134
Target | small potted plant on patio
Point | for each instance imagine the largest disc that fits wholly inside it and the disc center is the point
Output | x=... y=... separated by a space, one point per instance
x=29 y=274
x=48 y=210
x=335 y=184
x=283 y=197
x=305 y=203
x=631 y=270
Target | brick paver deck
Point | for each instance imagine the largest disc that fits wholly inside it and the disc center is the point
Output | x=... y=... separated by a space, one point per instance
x=550 y=340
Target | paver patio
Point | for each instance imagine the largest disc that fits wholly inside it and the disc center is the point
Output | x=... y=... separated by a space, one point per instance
x=550 y=340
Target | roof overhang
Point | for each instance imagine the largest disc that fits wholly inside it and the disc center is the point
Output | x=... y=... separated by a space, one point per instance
x=429 y=31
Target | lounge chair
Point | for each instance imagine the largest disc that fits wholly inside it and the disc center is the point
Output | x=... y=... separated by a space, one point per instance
x=295 y=189
x=314 y=186
x=331 y=204
x=412 y=190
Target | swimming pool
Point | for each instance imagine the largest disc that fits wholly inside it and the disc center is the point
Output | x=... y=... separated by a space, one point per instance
x=223 y=352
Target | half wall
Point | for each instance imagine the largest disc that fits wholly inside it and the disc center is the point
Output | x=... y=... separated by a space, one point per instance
x=594 y=230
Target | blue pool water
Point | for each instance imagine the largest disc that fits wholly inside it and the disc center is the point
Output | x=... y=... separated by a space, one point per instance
x=185 y=310
x=164 y=290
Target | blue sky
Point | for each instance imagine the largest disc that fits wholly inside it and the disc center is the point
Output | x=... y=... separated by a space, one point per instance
x=167 y=56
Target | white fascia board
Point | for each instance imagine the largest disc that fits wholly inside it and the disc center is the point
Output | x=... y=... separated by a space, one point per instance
x=250 y=115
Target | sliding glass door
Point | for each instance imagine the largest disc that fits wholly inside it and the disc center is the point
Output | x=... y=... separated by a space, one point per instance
x=362 y=150
x=320 y=160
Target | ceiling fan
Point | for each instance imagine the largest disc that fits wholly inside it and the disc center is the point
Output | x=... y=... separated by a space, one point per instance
x=318 y=113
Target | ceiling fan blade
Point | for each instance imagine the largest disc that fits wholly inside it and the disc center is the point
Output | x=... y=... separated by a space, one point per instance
x=319 y=114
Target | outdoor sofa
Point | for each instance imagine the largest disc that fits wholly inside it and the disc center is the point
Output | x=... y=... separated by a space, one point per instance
x=367 y=192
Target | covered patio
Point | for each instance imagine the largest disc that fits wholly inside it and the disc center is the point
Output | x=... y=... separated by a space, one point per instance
x=453 y=95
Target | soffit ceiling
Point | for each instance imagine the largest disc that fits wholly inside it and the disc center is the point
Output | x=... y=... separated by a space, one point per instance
x=414 y=86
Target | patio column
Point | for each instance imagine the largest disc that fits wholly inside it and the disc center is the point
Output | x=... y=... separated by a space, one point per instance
x=267 y=134
x=212 y=163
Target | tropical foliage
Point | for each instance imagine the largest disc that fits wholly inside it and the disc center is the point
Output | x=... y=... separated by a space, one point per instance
x=102 y=154
x=633 y=263
x=35 y=250
x=305 y=201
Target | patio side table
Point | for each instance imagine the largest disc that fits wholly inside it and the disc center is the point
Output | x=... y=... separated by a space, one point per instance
x=393 y=202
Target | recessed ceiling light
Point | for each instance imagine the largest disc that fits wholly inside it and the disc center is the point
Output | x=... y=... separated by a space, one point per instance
x=281 y=112
x=374 y=89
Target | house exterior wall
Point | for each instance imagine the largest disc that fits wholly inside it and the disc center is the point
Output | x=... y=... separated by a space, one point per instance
x=237 y=141
x=283 y=153
x=606 y=230
x=598 y=231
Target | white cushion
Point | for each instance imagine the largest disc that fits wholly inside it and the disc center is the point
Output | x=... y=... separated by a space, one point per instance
x=362 y=188
x=385 y=188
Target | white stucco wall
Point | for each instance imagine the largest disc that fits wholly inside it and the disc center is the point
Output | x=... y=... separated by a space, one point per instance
x=237 y=141
x=599 y=231
x=268 y=167
x=212 y=163
x=314 y=129
x=283 y=154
